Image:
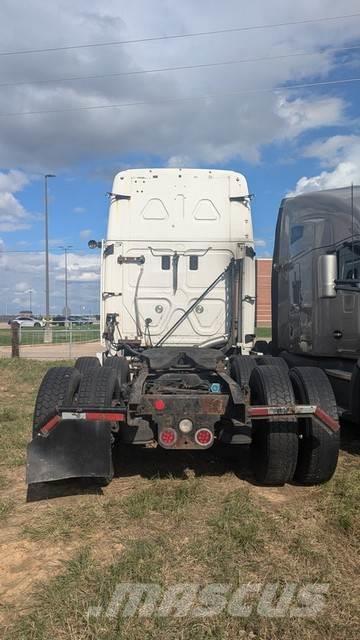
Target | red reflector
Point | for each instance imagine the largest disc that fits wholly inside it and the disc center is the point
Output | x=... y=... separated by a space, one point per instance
x=107 y=417
x=203 y=437
x=159 y=405
x=53 y=422
x=167 y=437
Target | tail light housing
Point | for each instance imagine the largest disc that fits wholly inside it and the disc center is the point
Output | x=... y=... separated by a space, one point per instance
x=204 y=437
x=159 y=404
x=167 y=437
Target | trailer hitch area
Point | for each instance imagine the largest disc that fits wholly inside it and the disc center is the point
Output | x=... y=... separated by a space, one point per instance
x=295 y=411
x=72 y=444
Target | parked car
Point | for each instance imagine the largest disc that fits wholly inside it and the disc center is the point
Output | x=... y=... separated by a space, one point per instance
x=28 y=321
x=89 y=319
x=78 y=320
x=59 y=321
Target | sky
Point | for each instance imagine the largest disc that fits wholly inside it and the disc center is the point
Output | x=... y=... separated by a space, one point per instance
x=240 y=116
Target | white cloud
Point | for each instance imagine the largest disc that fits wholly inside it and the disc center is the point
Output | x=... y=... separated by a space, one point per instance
x=13 y=181
x=216 y=130
x=13 y=216
x=81 y=268
x=180 y=161
x=85 y=233
x=259 y=242
x=23 y=243
x=341 y=157
x=29 y=273
x=22 y=286
x=79 y=209
x=304 y=114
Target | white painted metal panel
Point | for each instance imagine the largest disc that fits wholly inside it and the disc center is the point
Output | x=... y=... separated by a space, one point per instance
x=168 y=212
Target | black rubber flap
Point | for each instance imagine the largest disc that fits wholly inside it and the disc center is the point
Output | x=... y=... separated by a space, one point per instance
x=74 y=449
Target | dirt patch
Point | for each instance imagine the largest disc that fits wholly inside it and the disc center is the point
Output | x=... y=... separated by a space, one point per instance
x=23 y=564
x=279 y=496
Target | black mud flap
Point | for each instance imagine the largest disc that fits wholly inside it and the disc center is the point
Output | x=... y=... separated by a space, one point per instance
x=73 y=449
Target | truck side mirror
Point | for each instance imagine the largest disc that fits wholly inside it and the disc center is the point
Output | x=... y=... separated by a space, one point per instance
x=327 y=274
x=94 y=244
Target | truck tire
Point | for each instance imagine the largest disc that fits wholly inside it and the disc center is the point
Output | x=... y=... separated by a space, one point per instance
x=121 y=367
x=354 y=400
x=272 y=360
x=58 y=387
x=98 y=388
x=241 y=368
x=274 y=447
x=85 y=363
x=318 y=449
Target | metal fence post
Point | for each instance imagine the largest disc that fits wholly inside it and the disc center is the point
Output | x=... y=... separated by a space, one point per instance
x=15 y=339
x=70 y=339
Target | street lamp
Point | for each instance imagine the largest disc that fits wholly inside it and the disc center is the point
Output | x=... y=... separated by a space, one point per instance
x=30 y=291
x=47 y=287
x=66 y=249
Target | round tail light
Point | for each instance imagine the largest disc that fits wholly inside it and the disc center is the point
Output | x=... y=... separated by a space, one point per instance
x=185 y=425
x=167 y=437
x=159 y=405
x=203 y=437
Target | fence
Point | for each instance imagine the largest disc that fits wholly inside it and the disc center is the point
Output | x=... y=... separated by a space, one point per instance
x=54 y=343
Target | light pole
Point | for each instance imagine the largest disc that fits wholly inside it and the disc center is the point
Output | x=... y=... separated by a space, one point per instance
x=66 y=249
x=47 y=287
x=29 y=291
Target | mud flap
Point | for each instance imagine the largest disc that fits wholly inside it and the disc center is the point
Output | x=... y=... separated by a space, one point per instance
x=74 y=449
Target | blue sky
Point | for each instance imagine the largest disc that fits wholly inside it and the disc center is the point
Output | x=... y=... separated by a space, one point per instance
x=283 y=141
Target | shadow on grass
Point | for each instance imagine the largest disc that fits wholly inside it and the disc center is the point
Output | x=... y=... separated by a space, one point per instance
x=350 y=437
x=62 y=488
x=150 y=463
x=161 y=463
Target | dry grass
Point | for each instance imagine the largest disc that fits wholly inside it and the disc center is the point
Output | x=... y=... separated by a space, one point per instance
x=213 y=527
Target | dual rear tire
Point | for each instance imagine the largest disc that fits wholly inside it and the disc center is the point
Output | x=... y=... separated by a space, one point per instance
x=318 y=448
x=274 y=447
x=57 y=389
x=87 y=384
x=286 y=449
x=121 y=367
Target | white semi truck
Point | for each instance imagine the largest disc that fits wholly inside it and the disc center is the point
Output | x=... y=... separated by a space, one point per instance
x=178 y=368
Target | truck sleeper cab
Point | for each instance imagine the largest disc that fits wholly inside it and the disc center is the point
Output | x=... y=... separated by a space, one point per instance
x=171 y=232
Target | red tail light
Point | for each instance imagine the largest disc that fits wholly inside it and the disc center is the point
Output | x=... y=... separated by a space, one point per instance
x=203 y=437
x=159 y=405
x=168 y=437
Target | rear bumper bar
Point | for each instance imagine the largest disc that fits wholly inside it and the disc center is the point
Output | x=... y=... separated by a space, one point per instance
x=81 y=446
x=295 y=411
x=118 y=414
x=90 y=414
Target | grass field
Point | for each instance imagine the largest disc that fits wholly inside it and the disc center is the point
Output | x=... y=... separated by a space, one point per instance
x=29 y=336
x=263 y=332
x=167 y=519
